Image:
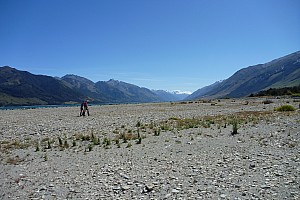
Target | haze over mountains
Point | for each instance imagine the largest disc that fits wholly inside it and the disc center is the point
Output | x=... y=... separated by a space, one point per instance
x=23 y=88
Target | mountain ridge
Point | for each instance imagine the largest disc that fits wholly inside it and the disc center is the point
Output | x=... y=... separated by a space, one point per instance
x=280 y=72
x=16 y=85
x=23 y=88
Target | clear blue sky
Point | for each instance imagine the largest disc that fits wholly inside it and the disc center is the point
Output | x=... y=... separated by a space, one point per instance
x=159 y=44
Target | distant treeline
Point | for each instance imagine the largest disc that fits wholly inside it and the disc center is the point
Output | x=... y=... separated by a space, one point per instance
x=291 y=91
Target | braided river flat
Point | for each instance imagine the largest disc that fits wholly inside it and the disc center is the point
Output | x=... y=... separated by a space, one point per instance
x=180 y=150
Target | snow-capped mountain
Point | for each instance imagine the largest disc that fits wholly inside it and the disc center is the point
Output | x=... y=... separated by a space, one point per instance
x=175 y=95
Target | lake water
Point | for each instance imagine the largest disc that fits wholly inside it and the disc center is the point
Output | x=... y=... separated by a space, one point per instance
x=37 y=106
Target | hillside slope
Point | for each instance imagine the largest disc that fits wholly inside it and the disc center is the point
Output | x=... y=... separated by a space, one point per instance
x=23 y=88
x=282 y=72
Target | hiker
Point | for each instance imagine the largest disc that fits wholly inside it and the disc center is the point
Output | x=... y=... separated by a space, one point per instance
x=81 y=109
x=85 y=108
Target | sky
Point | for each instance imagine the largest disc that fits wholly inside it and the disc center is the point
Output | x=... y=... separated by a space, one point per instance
x=158 y=44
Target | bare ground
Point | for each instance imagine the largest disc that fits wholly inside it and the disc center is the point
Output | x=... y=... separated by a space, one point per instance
x=186 y=151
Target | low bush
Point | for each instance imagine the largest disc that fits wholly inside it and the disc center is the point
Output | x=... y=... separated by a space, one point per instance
x=285 y=108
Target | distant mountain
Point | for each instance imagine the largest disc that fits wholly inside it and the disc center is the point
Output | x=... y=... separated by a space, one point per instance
x=111 y=91
x=83 y=86
x=171 y=96
x=121 y=92
x=23 y=88
x=165 y=96
x=282 y=72
x=203 y=91
x=181 y=95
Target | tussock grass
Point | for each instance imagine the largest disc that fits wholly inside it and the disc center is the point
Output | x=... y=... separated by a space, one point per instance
x=284 y=108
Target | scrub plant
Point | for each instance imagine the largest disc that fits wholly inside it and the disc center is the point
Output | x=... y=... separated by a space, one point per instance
x=106 y=142
x=66 y=144
x=90 y=147
x=37 y=148
x=60 y=141
x=129 y=145
x=45 y=157
x=235 y=126
x=285 y=108
x=74 y=143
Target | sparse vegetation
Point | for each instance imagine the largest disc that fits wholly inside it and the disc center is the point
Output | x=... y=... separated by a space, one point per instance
x=89 y=140
x=106 y=142
x=290 y=91
x=45 y=157
x=37 y=148
x=284 y=108
x=49 y=145
x=129 y=145
x=60 y=141
x=235 y=127
x=96 y=141
x=66 y=144
x=90 y=147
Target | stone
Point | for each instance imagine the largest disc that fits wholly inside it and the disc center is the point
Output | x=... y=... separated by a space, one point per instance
x=148 y=188
x=175 y=191
x=252 y=166
x=125 y=187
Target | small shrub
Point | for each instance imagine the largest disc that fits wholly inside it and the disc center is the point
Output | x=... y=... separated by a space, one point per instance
x=129 y=145
x=45 y=157
x=96 y=141
x=284 y=108
x=235 y=127
x=37 y=148
x=90 y=147
x=117 y=141
x=151 y=125
x=60 y=141
x=49 y=145
x=157 y=132
x=74 y=143
x=85 y=138
x=106 y=142
x=139 y=141
x=66 y=145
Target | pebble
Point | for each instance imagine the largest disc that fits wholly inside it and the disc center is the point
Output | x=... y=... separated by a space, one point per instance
x=175 y=191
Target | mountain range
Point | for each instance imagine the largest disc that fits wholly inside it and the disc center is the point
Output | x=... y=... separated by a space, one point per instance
x=279 y=73
x=23 y=88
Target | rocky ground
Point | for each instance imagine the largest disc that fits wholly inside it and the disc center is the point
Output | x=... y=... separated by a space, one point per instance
x=152 y=151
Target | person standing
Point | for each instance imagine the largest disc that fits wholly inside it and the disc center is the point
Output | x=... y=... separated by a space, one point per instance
x=81 y=109
x=86 y=108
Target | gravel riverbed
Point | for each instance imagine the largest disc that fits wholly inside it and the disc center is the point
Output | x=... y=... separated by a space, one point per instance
x=183 y=150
